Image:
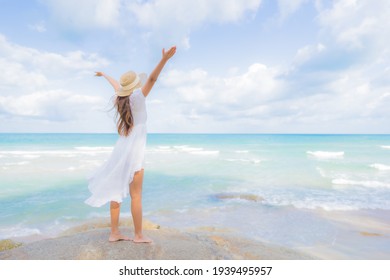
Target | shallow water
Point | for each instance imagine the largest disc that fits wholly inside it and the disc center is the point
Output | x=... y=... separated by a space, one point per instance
x=291 y=177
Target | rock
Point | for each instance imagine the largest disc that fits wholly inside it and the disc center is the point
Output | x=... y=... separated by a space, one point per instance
x=8 y=244
x=248 y=197
x=167 y=245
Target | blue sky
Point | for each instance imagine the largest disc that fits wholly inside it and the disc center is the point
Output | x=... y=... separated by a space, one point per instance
x=242 y=66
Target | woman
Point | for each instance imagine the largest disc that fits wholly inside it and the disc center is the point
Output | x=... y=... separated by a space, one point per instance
x=123 y=172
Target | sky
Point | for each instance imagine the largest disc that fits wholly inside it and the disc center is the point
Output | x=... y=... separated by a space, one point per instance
x=242 y=66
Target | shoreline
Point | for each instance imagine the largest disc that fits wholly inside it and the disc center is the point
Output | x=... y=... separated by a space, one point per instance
x=354 y=235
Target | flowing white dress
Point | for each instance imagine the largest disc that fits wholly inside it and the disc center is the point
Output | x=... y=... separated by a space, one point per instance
x=110 y=182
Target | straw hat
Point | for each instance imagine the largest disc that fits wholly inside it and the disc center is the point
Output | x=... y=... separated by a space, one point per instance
x=129 y=82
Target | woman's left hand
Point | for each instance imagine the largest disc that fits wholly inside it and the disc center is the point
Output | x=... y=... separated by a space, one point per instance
x=169 y=53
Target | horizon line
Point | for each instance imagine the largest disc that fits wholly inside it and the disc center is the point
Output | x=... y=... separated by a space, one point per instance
x=206 y=133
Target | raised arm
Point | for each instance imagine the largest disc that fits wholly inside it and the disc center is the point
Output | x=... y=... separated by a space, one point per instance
x=112 y=81
x=166 y=55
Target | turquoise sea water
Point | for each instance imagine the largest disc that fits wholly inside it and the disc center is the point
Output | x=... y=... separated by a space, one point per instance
x=200 y=180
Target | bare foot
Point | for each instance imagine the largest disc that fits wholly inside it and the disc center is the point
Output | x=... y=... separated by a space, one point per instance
x=142 y=239
x=118 y=237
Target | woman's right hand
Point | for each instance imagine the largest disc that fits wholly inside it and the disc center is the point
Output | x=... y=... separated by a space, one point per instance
x=99 y=74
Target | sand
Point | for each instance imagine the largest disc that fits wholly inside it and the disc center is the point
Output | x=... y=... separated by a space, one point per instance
x=90 y=242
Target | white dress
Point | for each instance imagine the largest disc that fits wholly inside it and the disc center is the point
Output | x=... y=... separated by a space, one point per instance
x=110 y=182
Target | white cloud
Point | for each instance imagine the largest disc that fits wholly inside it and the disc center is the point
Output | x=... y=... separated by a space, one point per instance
x=191 y=13
x=45 y=85
x=348 y=99
x=336 y=82
x=288 y=7
x=27 y=68
x=239 y=96
x=85 y=14
x=170 y=21
x=345 y=84
x=355 y=23
x=177 y=18
x=264 y=99
x=15 y=75
x=308 y=52
x=39 y=27
x=52 y=105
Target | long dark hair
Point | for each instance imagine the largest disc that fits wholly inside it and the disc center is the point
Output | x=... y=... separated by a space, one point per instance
x=123 y=115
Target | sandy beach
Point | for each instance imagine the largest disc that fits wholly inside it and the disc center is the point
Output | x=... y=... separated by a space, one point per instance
x=89 y=242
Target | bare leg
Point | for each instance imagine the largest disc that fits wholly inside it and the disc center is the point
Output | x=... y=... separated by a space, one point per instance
x=116 y=235
x=136 y=207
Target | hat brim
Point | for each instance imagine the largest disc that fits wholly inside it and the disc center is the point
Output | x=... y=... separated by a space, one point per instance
x=126 y=92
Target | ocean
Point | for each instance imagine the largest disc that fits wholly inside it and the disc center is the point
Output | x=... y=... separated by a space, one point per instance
x=275 y=188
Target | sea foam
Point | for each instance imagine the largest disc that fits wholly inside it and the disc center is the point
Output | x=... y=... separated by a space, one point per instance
x=255 y=161
x=187 y=149
x=204 y=153
x=385 y=147
x=242 y=151
x=367 y=184
x=326 y=155
x=18 y=163
x=18 y=231
x=161 y=149
x=322 y=172
x=380 y=167
x=63 y=153
x=89 y=148
x=183 y=149
x=312 y=201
